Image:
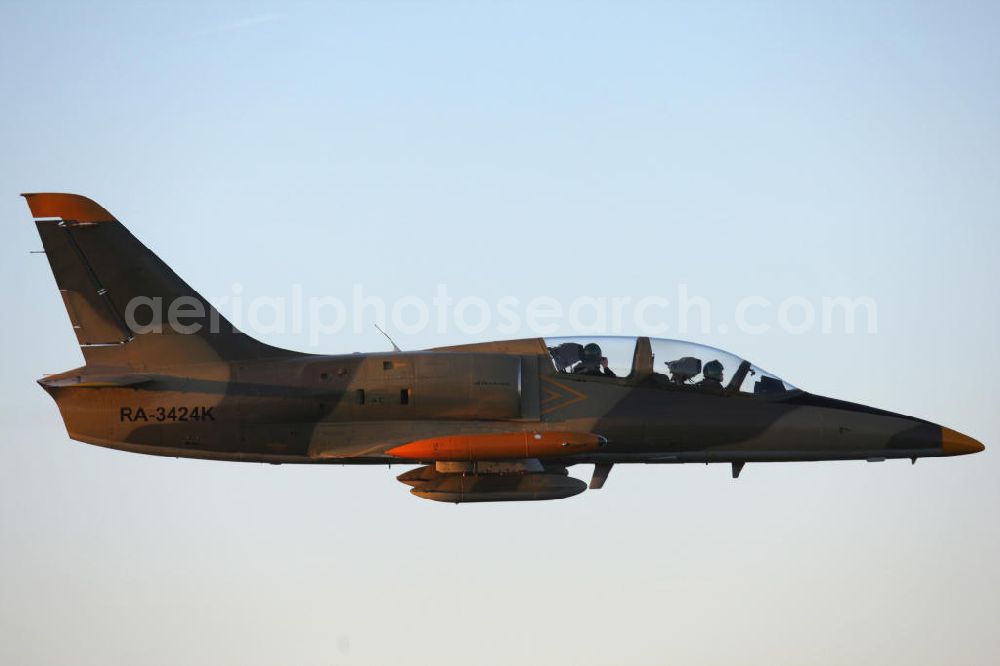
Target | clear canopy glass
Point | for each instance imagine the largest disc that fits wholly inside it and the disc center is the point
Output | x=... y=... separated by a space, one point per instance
x=675 y=363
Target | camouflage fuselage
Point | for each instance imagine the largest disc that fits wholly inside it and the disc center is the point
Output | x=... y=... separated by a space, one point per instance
x=357 y=408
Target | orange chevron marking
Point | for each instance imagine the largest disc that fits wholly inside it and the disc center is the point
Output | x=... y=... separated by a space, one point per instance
x=559 y=396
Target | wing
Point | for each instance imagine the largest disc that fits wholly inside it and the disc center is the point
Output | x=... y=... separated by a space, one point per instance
x=495 y=467
x=474 y=466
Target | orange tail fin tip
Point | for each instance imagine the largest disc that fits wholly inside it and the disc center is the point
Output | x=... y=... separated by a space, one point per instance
x=71 y=207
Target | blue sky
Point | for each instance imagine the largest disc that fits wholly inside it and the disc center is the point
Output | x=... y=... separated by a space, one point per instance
x=513 y=149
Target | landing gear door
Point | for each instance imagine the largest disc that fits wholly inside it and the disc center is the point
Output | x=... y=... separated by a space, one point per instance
x=528 y=388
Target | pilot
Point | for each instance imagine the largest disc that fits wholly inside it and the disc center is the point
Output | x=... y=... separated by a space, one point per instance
x=593 y=362
x=712 y=377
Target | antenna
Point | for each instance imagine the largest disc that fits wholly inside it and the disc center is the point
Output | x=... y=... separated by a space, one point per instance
x=395 y=347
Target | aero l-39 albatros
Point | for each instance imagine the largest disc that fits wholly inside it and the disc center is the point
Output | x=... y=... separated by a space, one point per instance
x=495 y=421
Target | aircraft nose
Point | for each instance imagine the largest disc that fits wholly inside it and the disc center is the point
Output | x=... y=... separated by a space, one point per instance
x=954 y=443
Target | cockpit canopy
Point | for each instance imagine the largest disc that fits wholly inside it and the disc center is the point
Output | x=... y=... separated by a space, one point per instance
x=675 y=363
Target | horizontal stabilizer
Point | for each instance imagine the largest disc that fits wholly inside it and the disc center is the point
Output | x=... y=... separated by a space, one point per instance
x=95 y=381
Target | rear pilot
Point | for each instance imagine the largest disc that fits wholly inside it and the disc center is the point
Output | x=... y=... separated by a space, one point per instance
x=712 y=377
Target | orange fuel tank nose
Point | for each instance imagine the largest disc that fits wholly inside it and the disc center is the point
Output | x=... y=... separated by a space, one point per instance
x=498 y=446
x=956 y=444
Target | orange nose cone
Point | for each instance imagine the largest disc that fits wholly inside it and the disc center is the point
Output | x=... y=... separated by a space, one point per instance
x=956 y=444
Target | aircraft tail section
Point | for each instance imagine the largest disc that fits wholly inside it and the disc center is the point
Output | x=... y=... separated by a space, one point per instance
x=119 y=295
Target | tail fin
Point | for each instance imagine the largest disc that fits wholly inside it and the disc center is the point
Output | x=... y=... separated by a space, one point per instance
x=107 y=278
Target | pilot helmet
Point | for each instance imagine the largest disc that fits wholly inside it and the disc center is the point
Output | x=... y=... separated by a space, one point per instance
x=713 y=370
x=592 y=353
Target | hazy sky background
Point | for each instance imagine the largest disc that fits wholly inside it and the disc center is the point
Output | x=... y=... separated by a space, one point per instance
x=562 y=149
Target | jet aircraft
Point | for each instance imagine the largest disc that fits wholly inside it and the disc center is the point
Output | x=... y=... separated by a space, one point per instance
x=493 y=421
